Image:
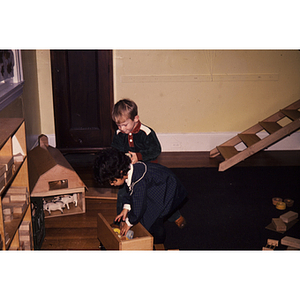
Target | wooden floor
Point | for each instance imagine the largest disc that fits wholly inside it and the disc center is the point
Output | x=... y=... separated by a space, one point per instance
x=79 y=232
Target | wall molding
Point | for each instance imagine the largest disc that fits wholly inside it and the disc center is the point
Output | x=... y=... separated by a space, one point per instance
x=179 y=142
x=208 y=141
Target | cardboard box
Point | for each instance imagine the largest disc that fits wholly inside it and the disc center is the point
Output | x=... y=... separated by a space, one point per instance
x=142 y=239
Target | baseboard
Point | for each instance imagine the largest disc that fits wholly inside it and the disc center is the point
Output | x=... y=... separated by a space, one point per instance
x=207 y=141
x=180 y=142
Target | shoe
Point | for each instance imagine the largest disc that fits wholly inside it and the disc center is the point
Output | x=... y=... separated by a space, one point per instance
x=180 y=222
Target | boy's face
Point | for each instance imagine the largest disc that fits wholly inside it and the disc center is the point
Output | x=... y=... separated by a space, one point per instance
x=128 y=125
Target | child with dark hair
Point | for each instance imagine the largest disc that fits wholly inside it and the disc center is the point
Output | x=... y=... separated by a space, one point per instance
x=139 y=141
x=153 y=192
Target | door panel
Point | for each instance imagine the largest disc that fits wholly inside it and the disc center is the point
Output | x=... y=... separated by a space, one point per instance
x=83 y=99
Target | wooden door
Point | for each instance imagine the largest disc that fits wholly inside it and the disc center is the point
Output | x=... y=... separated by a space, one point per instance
x=83 y=99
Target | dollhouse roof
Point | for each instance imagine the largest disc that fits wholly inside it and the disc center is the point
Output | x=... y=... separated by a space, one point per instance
x=46 y=166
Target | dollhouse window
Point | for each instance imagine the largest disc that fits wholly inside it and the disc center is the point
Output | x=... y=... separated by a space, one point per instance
x=11 y=76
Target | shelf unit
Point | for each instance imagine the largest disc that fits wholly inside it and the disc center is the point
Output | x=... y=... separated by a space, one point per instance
x=16 y=231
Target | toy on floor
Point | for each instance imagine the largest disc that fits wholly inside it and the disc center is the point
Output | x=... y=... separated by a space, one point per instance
x=271 y=244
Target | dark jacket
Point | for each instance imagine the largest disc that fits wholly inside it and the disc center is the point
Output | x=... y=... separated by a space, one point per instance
x=142 y=141
x=154 y=192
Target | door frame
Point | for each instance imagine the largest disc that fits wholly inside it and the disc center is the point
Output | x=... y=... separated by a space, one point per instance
x=60 y=97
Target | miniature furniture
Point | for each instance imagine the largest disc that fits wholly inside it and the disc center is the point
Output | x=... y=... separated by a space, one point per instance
x=15 y=209
x=54 y=181
x=289 y=118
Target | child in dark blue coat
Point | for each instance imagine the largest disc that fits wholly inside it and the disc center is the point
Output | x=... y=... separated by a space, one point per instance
x=153 y=192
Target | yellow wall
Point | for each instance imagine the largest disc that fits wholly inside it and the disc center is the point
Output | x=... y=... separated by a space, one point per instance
x=31 y=95
x=45 y=91
x=181 y=91
x=206 y=97
x=37 y=95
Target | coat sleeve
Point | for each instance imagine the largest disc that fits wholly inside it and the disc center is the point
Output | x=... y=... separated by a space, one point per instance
x=138 y=203
x=152 y=148
x=118 y=142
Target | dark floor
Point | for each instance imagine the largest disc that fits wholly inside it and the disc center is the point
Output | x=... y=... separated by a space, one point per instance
x=79 y=232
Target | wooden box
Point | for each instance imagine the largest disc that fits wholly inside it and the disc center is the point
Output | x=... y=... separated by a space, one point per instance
x=142 y=239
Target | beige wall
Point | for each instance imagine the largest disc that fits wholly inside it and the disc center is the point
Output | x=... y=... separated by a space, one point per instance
x=206 y=97
x=37 y=94
x=181 y=91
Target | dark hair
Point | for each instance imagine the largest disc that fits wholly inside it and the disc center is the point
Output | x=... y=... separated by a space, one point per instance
x=124 y=107
x=110 y=164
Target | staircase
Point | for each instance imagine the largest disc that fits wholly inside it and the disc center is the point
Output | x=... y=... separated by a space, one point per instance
x=253 y=142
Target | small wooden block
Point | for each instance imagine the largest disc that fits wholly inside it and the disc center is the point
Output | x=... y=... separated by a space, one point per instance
x=23 y=232
x=6 y=199
x=288 y=202
x=19 y=209
x=24 y=238
x=26 y=245
x=17 y=190
x=6 y=211
x=8 y=218
x=7 y=161
x=281 y=205
x=275 y=200
x=2 y=182
x=289 y=216
x=18 y=157
x=290 y=241
x=18 y=197
x=279 y=224
x=25 y=226
x=271 y=244
x=2 y=169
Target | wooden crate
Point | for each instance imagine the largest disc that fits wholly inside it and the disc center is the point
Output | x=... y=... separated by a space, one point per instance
x=142 y=239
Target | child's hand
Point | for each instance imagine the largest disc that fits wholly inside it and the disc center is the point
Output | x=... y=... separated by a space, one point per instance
x=124 y=228
x=122 y=216
x=134 y=157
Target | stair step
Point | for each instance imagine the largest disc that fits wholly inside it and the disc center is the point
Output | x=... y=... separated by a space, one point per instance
x=227 y=151
x=249 y=139
x=253 y=143
x=270 y=127
x=293 y=114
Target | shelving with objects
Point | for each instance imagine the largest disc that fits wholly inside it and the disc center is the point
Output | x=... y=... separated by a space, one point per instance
x=15 y=206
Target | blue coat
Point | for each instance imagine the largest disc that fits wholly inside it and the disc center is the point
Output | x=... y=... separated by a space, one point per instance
x=154 y=192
